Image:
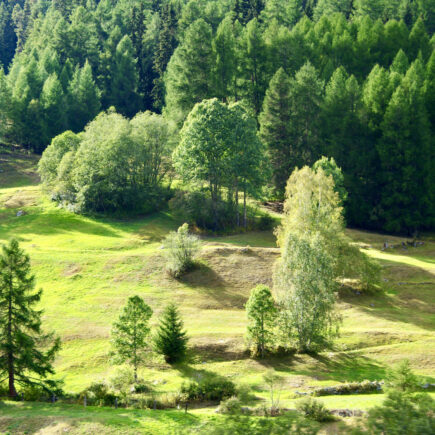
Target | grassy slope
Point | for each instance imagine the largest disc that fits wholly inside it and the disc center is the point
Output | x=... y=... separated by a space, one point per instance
x=88 y=267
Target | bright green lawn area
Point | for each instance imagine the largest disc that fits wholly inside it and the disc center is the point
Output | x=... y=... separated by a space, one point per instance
x=89 y=266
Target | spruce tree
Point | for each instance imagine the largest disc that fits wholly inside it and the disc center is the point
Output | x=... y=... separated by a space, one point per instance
x=84 y=98
x=22 y=359
x=188 y=78
x=275 y=127
x=124 y=79
x=171 y=340
x=405 y=155
x=130 y=332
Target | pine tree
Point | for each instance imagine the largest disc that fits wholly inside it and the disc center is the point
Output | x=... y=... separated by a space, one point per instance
x=171 y=340
x=5 y=104
x=188 y=78
x=261 y=313
x=224 y=52
x=419 y=41
x=275 y=127
x=124 y=79
x=84 y=98
x=306 y=100
x=53 y=105
x=405 y=152
x=130 y=332
x=21 y=336
x=400 y=63
x=253 y=65
x=165 y=47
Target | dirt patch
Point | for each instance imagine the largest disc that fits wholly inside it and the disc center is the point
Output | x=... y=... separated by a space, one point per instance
x=20 y=199
x=72 y=269
x=221 y=350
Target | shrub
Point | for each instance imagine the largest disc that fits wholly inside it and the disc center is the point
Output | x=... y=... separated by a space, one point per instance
x=98 y=394
x=402 y=378
x=349 y=388
x=141 y=388
x=230 y=406
x=314 y=410
x=209 y=389
x=34 y=393
x=122 y=379
x=266 y=222
x=181 y=249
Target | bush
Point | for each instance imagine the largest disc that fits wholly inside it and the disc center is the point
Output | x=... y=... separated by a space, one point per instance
x=314 y=410
x=402 y=378
x=122 y=379
x=349 y=388
x=181 y=249
x=141 y=388
x=266 y=222
x=34 y=393
x=98 y=394
x=230 y=406
x=210 y=389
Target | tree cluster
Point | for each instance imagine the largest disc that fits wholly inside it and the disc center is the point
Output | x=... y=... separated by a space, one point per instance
x=352 y=80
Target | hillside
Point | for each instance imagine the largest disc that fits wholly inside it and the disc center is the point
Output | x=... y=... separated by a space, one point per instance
x=88 y=267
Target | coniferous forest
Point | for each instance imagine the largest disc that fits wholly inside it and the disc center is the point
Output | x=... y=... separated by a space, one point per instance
x=348 y=80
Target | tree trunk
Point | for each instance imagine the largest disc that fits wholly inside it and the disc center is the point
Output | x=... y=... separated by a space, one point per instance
x=245 y=220
x=11 y=370
x=237 y=203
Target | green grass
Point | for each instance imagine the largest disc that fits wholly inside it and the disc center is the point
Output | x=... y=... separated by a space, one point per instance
x=89 y=266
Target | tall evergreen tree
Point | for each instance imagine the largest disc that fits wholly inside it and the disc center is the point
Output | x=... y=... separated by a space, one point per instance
x=171 y=339
x=165 y=47
x=84 y=98
x=275 y=128
x=21 y=336
x=124 y=79
x=188 y=79
x=404 y=152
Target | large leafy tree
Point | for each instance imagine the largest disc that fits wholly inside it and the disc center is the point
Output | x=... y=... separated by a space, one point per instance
x=26 y=353
x=130 y=332
x=219 y=147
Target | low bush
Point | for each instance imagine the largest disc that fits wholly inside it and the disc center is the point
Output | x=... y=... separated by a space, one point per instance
x=122 y=379
x=232 y=405
x=98 y=394
x=209 y=389
x=350 y=388
x=314 y=410
x=181 y=249
x=141 y=388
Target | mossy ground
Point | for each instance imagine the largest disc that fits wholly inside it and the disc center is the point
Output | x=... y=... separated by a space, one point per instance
x=89 y=266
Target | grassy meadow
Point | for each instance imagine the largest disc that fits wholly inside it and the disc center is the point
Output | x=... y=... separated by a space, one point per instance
x=88 y=267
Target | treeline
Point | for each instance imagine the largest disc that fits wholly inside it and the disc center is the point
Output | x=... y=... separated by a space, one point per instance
x=350 y=80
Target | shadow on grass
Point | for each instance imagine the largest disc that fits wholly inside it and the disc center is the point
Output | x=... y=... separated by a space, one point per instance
x=32 y=417
x=339 y=367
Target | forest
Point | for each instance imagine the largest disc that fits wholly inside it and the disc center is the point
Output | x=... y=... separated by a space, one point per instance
x=342 y=79
x=230 y=207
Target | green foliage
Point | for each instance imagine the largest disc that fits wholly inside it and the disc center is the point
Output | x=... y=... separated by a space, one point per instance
x=231 y=405
x=212 y=140
x=402 y=379
x=402 y=414
x=98 y=394
x=314 y=410
x=170 y=339
x=25 y=351
x=118 y=164
x=181 y=250
x=212 y=388
x=130 y=332
x=261 y=313
x=331 y=169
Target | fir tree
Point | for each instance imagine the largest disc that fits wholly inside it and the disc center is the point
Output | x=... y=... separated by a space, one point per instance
x=188 y=79
x=130 y=332
x=124 y=79
x=21 y=336
x=171 y=340
x=275 y=127
x=84 y=98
